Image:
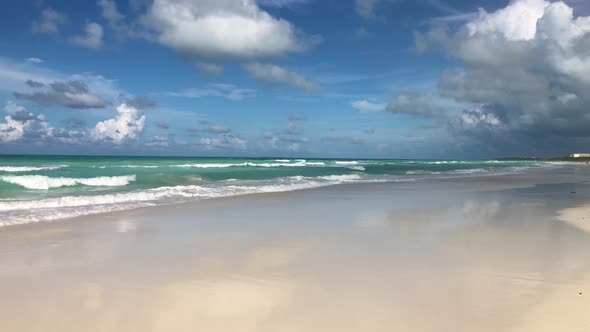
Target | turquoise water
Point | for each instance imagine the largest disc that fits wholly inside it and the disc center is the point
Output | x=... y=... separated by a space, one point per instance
x=42 y=188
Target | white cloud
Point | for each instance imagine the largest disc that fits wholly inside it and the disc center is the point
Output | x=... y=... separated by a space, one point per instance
x=368 y=106
x=227 y=91
x=477 y=117
x=34 y=60
x=93 y=37
x=219 y=31
x=275 y=74
x=15 y=123
x=127 y=125
x=517 y=21
x=21 y=126
x=49 y=22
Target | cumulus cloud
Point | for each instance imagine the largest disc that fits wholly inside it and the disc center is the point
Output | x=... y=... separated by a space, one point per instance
x=525 y=69
x=219 y=31
x=71 y=94
x=227 y=91
x=368 y=106
x=127 y=125
x=15 y=123
x=275 y=74
x=49 y=21
x=476 y=118
x=19 y=125
x=92 y=38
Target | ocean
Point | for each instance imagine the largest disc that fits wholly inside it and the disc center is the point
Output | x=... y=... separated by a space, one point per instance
x=45 y=188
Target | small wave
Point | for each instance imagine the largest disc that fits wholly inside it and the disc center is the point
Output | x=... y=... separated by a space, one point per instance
x=138 y=166
x=357 y=168
x=346 y=162
x=282 y=160
x=41 y=182
x=16 y=169
x=342 y=178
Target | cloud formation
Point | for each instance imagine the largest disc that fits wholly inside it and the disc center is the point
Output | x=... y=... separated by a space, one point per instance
x=274 y=74
x=71 y=94
x=25 y=127
x=92 y=38
x=413 y=104
x=220 y=31
x=227 y=91
x=34 y=60
x=127 y=125
x=525 y=71
x=49 y=21
x=368 y=106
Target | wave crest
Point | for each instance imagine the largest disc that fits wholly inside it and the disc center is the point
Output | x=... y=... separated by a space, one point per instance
x=16 y=169
x=41 y=182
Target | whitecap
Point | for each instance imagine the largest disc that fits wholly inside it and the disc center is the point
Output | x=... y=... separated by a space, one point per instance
x=41 y=182
x=16 y=169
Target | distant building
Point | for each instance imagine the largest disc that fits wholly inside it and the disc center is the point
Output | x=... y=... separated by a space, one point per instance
x=580 y=155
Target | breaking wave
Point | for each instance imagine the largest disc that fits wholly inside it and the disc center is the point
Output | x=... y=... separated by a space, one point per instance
x=16 y=169
x=41 y=182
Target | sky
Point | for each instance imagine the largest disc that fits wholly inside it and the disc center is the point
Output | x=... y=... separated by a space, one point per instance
x=296 y=78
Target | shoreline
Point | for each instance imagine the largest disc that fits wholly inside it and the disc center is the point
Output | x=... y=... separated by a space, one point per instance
x=529 y=177
x=376 y=256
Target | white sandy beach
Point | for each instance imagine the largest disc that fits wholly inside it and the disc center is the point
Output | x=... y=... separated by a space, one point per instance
x=479 y=254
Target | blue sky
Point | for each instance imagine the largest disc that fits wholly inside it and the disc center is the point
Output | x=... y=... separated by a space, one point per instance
x=364 y=78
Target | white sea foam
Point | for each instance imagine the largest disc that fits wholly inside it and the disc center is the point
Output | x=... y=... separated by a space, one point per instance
x=357 y=168
x=27 y=211
x=283 y=160
x=16 y=169
x=138 y=166
x=346 y=162
x=41 y=182
x=342 y=178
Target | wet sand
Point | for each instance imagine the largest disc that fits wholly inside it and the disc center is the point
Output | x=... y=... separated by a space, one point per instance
x=479 y=254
